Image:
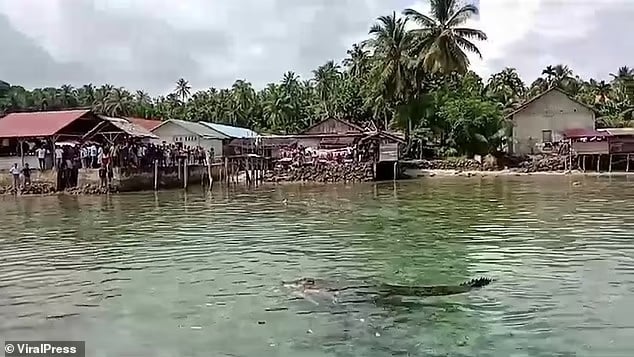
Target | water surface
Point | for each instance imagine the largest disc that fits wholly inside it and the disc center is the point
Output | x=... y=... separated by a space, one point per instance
x=178 y=274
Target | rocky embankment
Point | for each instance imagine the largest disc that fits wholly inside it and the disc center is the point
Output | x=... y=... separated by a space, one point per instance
x=543 y=164
x=91 y=190
x=332 y=172
x=536 y=163
x=44 y=188
x=35 y=188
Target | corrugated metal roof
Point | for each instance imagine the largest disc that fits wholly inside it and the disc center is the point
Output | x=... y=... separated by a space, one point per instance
x=231 y=131
x=37 y=124
x=618 y=131
x=130 y=128
x=148 y=124
x=582 y=133
x=195 y=128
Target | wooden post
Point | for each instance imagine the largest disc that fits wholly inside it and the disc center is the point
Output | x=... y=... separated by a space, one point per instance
x=236 y=177
x=227 y=170
x=374 y=170
x=610 y=167
x=219 y=172
x=584 y=162
x=211 y=179
x=627 y=165
x=185 y=173
x=21 y=143
x=395 y=170
x=598 y=163
x=155 y=175
x=257 y=170
x=579 y=162
x=247 y=169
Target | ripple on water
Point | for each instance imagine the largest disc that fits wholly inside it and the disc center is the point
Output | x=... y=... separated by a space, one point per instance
x=207 y=269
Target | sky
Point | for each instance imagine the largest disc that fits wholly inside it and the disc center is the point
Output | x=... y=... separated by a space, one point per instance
x=149 y=44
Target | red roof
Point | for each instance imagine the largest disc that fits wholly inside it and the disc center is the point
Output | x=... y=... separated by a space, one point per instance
x=37 y=124
x=583 y=133
x=148 y=124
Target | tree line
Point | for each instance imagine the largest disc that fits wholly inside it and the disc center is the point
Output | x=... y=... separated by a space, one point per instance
x=410 y=78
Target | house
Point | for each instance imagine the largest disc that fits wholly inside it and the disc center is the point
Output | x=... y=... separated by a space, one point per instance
x=334 y=126
x=232 y=132
x=148 y=124
x=113 y=129
x=20 y=133
x=541 y=121
x=337 y=134
x=239 y=141
x=189 y=133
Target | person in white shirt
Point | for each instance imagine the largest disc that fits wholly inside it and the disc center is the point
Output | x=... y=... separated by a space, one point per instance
x=92 y=150
x=15 y=172
x=41 y=157
x=59 y=155
x=99 y=155
x=84 y=155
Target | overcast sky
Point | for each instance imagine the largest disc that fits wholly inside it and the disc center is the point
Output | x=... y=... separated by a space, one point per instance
x=149 y=44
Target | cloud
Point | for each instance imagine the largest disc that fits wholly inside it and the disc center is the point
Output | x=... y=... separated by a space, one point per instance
x=149 y=44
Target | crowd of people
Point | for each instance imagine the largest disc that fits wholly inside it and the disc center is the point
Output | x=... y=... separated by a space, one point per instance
x=128 y=154
x=68 y=158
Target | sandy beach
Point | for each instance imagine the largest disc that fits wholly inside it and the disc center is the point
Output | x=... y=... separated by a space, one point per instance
x=445 y=173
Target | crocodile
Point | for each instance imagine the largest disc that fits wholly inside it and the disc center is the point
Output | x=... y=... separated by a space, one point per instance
x=316 y=290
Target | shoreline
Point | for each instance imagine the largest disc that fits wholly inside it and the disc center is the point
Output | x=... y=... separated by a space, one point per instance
x=443 y=173
x=411 y=174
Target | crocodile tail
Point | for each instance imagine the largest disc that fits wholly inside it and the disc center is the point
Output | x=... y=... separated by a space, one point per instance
x=477 y=283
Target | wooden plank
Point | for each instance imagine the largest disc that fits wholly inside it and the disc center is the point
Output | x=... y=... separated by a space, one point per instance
x=388 y=152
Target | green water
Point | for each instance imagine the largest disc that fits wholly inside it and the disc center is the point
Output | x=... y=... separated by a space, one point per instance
x=179 y=274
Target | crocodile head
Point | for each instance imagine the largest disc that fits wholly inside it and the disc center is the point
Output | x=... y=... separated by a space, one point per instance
x=303 y=283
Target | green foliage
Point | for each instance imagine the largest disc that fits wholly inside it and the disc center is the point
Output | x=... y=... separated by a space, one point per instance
x=475 y=125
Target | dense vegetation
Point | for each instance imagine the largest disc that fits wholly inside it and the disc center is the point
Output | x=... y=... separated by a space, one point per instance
x=415 y=80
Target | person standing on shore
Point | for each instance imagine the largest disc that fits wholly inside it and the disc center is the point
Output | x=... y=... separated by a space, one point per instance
x=15 y=172
x=92 y=150
x=26 y=173
x=85 y=157
x=41 y=157
x=59 y=156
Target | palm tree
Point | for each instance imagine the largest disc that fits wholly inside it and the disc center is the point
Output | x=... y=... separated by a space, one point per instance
x=390 y=76
x=507 y=87
x=441 y=44
x=182 y=89
x=624 y=72
x=391 y=44
x=357 y=62
x=326 y=79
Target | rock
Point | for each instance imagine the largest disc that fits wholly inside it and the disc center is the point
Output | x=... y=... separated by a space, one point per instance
x=35 y=188
x=523 y=164
x=322 y=172
x=89 y=189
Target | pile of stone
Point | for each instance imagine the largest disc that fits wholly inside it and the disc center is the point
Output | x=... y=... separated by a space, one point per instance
x=35 y=188
x=332 y=172
x=456 y=164
x=90 y=189
x=541 y=163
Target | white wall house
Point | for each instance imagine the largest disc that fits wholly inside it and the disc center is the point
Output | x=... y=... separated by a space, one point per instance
x=543 y=119
x=189 y=133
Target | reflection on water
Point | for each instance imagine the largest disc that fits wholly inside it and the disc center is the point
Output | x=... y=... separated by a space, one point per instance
x=199 y=275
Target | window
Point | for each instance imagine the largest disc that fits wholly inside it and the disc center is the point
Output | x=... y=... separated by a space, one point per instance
x=547 y=136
